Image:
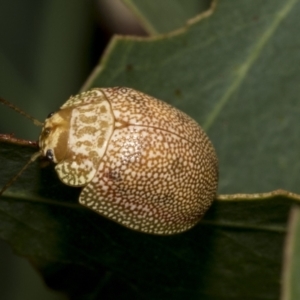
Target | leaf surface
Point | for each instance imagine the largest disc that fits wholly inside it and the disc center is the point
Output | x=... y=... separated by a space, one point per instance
x=235 y=73
x=238 y=241
x=164 y=16
x=291 y=269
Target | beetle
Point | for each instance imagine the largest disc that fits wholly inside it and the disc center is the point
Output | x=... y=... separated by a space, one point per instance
x=141 y=162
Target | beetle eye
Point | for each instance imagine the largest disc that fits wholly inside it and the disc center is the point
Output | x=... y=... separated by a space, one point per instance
x=50 y=115
x=47 y=131
x=49 y=154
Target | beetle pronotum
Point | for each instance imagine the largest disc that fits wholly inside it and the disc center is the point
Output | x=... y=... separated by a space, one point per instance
x=141 y=162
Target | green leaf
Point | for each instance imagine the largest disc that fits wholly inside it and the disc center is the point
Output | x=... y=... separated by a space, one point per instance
x=86 y=255
x=164 y=16
x=235 y=73
x=291 y=274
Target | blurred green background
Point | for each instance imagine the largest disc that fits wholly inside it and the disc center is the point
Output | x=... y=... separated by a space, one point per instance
x=47 y=50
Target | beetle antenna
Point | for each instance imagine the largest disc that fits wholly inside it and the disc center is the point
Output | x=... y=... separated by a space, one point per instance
x=21 y=112
x=13 y=179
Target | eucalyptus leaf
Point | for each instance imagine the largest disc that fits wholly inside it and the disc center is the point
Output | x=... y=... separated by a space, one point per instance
x=163 y=16
x=238 y=242
x=291 y=269
x=236 y=73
